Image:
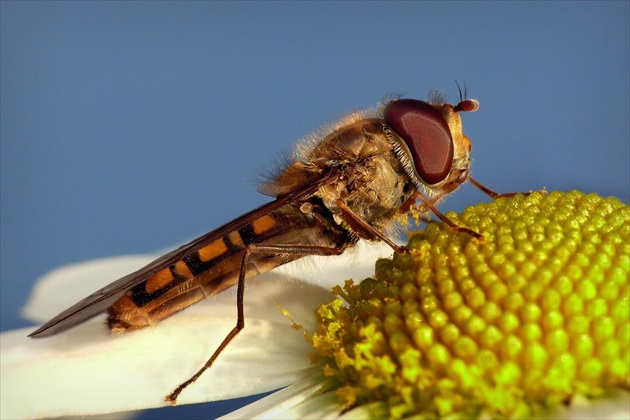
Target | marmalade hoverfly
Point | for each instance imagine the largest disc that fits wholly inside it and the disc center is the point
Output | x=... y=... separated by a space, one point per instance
x=347 y=182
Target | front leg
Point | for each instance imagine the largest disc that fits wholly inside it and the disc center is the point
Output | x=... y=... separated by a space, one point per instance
x=363 y=228
x=445 y=219
x=495 y=194
x=407 y=205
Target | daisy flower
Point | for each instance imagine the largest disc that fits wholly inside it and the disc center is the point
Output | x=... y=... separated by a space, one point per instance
x=532 y=321
x=87 y=371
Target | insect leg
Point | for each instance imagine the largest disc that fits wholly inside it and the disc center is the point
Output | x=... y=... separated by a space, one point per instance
x=240 y=293
x=495 y=194
x=443 y=218
x=408 y=204
x=360 y=226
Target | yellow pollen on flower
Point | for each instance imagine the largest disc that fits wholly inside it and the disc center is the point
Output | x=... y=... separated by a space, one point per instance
x=510 y=326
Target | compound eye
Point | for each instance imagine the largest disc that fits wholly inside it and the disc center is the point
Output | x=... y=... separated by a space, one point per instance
x=426 y=135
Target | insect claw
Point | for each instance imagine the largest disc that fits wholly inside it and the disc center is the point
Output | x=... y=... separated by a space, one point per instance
x=171 y=399
x=476 y=235
x=402 y=250
x=467 y=231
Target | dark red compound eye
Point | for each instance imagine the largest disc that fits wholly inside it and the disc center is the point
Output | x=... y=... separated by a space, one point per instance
x=426 y=134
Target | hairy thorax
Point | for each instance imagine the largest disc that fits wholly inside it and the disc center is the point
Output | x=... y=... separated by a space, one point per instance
x=371 y=180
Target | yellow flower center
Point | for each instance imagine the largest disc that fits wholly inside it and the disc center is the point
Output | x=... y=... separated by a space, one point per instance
x=533 y=315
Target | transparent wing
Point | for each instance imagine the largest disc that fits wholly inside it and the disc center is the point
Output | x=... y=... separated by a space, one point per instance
x=103 y=298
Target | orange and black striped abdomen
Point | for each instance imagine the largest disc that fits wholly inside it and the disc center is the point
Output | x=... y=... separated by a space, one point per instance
x=213 y=267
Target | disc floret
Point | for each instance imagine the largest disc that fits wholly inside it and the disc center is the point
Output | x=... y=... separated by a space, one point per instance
x=535 y=314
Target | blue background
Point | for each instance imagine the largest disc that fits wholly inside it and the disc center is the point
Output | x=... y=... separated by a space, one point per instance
x=130 y=127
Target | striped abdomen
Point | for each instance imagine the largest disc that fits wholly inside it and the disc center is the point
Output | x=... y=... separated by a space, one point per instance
x=216 y=264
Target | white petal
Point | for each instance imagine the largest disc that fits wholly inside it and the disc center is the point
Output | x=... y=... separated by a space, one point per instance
x=312 y=398
x=66 y=285
x=136 y=370
x=288 y=403
x=356 y=263
x=615 y=406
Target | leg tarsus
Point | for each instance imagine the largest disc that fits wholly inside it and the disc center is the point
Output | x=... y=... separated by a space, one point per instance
x=446 y=220
x=495 y=194
x=240 y=295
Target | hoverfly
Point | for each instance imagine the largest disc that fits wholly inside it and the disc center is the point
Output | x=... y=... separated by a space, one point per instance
x=348 y=182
